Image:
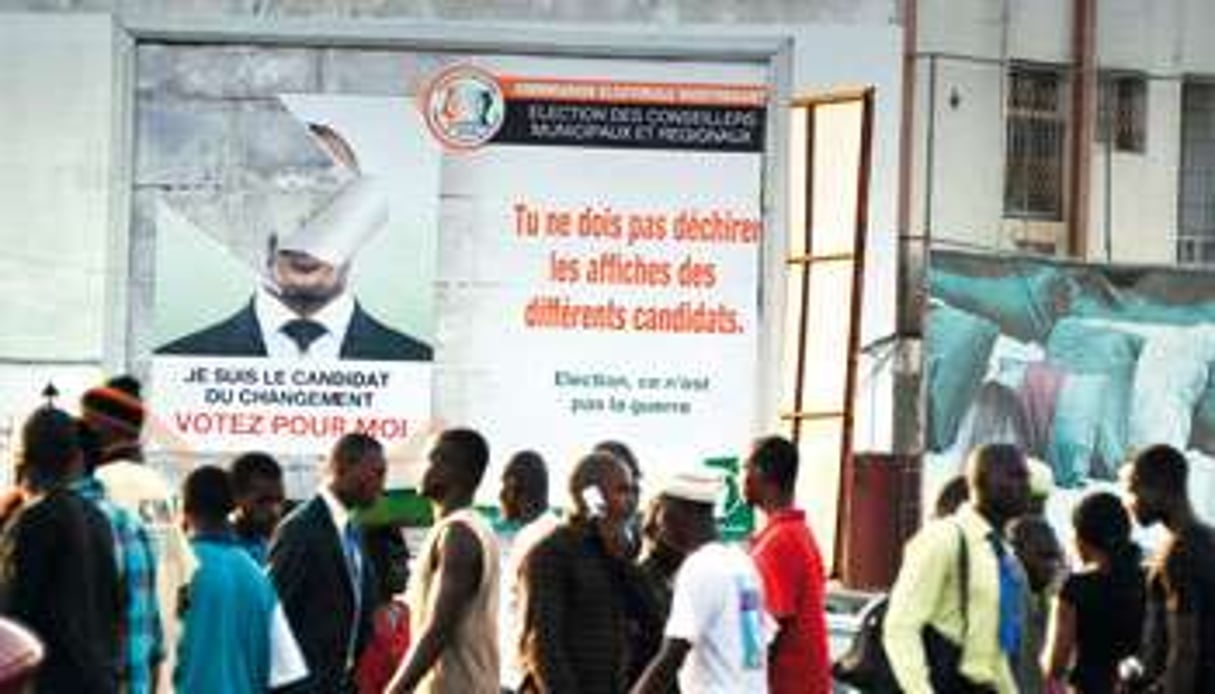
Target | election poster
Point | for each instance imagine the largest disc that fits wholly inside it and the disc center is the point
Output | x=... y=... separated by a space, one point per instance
x=296 y=305
x=553 y=250
x=600 y=247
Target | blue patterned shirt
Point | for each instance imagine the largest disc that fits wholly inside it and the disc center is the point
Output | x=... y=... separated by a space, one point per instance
x=142 y=640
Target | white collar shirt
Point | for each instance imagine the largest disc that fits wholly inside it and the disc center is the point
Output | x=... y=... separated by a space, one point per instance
x=337 y=511
x=272 y=315
x=341 y=518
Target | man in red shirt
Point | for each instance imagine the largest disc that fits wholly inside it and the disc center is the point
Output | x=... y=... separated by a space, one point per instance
x=791 y=568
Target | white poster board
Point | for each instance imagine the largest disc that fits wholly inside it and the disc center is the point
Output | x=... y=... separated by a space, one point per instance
x=601 y=252
x=593 y=229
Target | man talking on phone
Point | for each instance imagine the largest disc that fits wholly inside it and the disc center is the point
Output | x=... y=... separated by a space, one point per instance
x=577 y=584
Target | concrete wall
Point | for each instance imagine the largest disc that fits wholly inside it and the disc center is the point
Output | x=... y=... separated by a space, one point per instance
x=1191 y=44
x=961 y=198
x=836 y=43
x=661 y=12
x=1167 y=41
x=60 y=166
x=63 y=206
x=1140 y=199
x=1133 y=216
x=958 y=196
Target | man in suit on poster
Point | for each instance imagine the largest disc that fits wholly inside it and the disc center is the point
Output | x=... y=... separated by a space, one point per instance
x=303 y=306
x=324 y=580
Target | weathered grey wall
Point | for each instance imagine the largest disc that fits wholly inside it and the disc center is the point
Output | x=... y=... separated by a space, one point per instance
x=566 y=11
x=214 y=144
x=836 y=43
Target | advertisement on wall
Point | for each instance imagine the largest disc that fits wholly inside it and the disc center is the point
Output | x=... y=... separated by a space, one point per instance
x=616 y=227
x=324 y=329
x=1079 y=364
x=555 y=251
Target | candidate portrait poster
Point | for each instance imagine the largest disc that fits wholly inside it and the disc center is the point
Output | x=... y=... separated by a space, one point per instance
x=575 y=241
x=337 y=241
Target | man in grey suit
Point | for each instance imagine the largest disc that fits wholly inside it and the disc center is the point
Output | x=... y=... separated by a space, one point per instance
x=323 y=578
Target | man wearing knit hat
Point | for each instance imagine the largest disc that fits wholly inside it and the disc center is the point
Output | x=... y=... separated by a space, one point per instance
x=717 y=635
x=115 y=412
x=303 y=307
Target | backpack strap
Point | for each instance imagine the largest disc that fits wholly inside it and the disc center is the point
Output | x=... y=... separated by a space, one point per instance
x=963 y=580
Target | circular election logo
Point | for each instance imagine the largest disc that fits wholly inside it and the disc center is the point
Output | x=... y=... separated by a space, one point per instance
x=464 y=107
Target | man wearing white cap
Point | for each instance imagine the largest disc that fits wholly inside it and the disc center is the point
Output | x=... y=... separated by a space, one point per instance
x=718 y=634
x=303 y=307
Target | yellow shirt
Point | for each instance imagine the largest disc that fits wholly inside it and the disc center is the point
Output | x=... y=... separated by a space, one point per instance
x=926 y=592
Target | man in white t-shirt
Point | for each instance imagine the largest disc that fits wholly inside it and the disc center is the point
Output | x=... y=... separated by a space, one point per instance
x=717 y=635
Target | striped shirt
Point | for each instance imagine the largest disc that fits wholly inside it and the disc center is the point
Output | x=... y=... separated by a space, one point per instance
x=141 y=637
x=575 y=614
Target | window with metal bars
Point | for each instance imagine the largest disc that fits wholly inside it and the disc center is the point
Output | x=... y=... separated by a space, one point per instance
x=1196 y=199
x=1036 y=137
x=1122 y=112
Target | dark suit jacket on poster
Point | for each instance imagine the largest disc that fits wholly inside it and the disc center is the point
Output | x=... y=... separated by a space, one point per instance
x=309 y=571
x=239 y=335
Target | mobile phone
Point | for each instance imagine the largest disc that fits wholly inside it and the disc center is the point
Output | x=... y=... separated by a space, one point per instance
x=596 y=505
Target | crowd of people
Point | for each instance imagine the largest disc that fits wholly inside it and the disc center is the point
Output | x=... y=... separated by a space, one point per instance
x=216 y=587
x=219 y=587
x=984 y=600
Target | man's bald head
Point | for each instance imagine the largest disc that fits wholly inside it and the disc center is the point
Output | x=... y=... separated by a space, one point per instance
x=998 y=476
x=610 y=479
